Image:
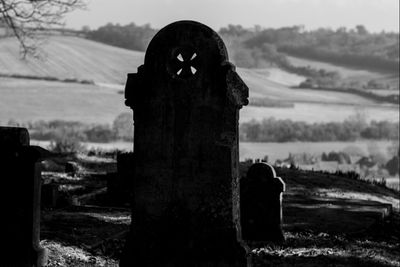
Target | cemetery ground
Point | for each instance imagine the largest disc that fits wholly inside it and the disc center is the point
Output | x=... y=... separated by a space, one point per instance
x=274 y=150
x=328 y=219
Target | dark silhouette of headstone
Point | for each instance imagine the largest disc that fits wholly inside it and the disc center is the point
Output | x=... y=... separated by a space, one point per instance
x=261 y=204
x=50 y=195
x=20 y=198
x=71 y=168
x=186 y=100
x=119 y=185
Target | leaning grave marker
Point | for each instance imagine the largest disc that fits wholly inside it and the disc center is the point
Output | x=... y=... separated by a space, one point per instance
x=186 y=100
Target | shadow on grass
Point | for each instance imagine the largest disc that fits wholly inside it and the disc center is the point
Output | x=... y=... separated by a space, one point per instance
x=331 y=215
x=87 y=230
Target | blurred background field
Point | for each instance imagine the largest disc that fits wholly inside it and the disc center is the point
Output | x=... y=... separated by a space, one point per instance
x=307 y=98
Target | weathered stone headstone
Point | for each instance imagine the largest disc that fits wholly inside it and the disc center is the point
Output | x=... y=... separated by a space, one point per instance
x=20 y=198
x=186 y=100
x=261 y=204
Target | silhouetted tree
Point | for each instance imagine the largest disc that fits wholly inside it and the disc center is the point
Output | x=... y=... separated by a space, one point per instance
x=123 y=126
x=128 y=36
x=361 y=29
x=272 y=130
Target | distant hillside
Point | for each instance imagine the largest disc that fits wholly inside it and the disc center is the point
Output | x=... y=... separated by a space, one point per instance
x=355 y=48
x=82 y=59
x=67 y=57
x=350 y=75
x=259 y=46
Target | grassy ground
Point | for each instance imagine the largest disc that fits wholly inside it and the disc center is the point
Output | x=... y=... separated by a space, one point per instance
x=71 y=57
x=313 y=249
x=261 y=85
x=308 y=249
x=328 y=220
x=31 y=100
x=314 y=112
x=274 y=151
x=384 y=92
x=349 y=74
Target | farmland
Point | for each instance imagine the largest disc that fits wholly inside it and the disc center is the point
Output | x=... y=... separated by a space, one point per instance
x=25 y=100
x=318 y=112
x=261 y=85
x=77 y=58
x=31 y=100
x=349 y=74
x=71 y=57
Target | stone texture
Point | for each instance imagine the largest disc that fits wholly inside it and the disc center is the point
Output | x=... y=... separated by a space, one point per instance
x=20 y=199
x=186 y=100
x=261 y=204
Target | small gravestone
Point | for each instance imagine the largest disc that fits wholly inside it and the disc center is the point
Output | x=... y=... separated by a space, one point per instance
x=261 y=204
x=20 y=198
x=50 y=195
x=119 y=185
x=186 y=100
x=71 y=168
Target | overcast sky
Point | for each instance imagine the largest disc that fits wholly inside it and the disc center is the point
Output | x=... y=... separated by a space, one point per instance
x=376 y=15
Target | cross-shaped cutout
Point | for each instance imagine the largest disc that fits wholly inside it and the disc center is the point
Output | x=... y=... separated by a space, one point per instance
x=185 y=63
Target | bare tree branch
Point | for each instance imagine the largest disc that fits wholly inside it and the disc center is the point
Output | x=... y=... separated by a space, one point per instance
x=26 y=18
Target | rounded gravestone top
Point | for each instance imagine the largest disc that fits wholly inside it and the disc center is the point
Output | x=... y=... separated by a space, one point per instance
x=185 y=50
x=259 y=171
x=13 y=136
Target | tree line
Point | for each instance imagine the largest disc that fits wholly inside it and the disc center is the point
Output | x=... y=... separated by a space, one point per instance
x=273 y=130
x=351 y=47
x=75 y=131
x=130 y=36
x=257 y=47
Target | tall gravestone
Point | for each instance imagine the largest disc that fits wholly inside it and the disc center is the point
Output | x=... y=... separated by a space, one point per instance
x=20 y=199
x=186 y=100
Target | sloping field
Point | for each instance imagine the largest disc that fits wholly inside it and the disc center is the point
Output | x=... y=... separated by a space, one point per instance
x=261 y=85
x=349 y=73
x=74 y=57
x=71 y=57
x=32 y=100
x=319 y=112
